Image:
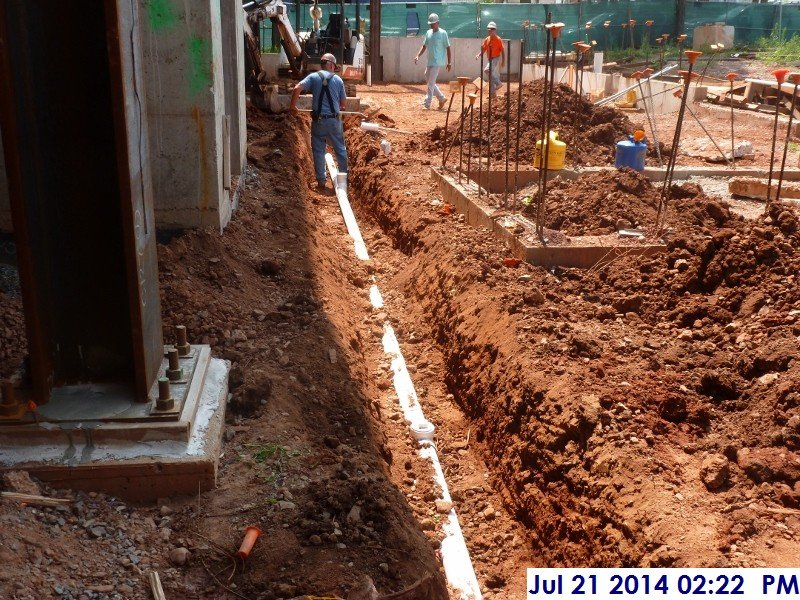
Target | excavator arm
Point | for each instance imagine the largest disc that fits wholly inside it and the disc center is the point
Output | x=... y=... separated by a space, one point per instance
x=275 y=11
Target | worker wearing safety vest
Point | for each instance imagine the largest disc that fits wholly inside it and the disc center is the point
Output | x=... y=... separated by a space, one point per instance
x=495 y=52
x=328 y=100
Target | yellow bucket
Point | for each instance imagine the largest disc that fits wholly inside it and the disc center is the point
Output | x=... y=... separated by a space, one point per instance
x=556 y=154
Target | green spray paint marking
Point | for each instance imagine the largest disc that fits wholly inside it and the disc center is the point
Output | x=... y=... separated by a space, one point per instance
x=161 y=14
x=199 y=64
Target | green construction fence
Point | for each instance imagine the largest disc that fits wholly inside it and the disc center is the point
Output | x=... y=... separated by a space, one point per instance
x=469 y=19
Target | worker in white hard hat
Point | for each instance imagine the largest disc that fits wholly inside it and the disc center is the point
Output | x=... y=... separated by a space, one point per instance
x=495 y=52
x=438 y=45
x=328 y=100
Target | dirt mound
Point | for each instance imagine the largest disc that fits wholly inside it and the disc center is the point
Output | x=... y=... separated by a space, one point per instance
x=606 y=201
x=13 y=343
x=590 y=132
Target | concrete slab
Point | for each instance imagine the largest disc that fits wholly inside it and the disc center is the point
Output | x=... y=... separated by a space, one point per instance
x=518 y=233
x=752 y=187
x=136 y=470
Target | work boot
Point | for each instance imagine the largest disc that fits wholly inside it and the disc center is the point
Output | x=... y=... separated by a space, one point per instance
x=441 y=104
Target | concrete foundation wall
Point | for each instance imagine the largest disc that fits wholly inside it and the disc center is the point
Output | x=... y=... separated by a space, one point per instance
x=183 y=67
x=233 y=69
x=5 y=201
x=399 y=52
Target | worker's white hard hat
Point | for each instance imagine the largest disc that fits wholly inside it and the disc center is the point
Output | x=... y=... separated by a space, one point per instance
x=491 y=25
x=433 y=18
x=328 y=58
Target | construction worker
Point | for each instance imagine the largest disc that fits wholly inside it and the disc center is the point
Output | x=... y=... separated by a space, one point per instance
x=495 y=52
x=438 y=45
x=328 y=100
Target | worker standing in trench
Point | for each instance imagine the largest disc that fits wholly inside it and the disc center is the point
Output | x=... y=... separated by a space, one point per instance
x=496 y=54
x=328 y=99
x=438 y=45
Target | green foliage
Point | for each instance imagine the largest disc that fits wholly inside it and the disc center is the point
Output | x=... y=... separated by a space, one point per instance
x=774 y=51
x=273 y=451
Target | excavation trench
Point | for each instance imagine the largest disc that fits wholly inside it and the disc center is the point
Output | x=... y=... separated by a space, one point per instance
x=613 y=404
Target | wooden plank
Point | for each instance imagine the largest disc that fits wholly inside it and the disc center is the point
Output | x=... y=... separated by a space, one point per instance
x=34 y=499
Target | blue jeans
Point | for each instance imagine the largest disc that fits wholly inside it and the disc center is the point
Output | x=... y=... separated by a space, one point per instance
x=494 y=81
x=433 y=90
x=329 y=130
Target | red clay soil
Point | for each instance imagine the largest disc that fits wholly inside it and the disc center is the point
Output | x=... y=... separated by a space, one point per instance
x=616 y=404
x=590 y=132
x=314 y=452
x=605 y=201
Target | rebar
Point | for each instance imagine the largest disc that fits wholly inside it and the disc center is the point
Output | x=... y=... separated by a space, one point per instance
x=699 y=122
x=779 y=76
x=731 y=77
x=555 y=31
x=480 y=134
x=637 y=76
x=795 y=79
x=508 y=118
x=446 y=121
x=469 y=151
x=647 y=72
x=461 y=133
x=519 y=124
x=666 y=190
x=540 y=150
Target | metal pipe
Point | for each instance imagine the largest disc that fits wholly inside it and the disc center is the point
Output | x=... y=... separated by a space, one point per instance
x=621 y=93
x=779 y=76
x=795 y=79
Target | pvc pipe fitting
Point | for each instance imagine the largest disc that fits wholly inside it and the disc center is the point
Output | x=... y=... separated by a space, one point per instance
x=251 y=534
x=366 y=126
x=423 y=431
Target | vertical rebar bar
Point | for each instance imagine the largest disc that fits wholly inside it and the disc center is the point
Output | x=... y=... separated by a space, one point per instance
x=666 y=190
x=555 y=31
x=540 y=150
x=469 y=139
x=795 y=79
x=647 y=73
x=480 y=133
x=779 y=75
x=461 y=133
x=446 y=121
x=489 y=118
x=519 y=124
x=731 y=77
x=508 y=117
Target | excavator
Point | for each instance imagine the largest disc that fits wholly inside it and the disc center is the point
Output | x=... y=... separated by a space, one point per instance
x=302 y=50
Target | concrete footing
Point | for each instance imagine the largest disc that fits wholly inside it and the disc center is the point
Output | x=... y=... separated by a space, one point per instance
x=139 y=459
x=518 y=232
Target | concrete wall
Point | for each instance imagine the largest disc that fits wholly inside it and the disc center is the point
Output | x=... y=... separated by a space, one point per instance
x=5 y=202
x=183 y=68
x=398 y=59
x=233 y=69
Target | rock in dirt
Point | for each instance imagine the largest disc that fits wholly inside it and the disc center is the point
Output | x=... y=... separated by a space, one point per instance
x=21 y=483
x=364 y=591
x=443 y=506
x=715 y=471
x=179 y=556
x=770 y=464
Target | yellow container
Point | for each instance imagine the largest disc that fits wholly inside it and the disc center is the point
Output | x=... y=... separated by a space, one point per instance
x=556 y=154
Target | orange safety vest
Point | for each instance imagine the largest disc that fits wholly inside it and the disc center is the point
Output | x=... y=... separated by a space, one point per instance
x=493 y=46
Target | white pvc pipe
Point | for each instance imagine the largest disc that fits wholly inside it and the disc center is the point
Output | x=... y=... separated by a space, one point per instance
x=455 y=556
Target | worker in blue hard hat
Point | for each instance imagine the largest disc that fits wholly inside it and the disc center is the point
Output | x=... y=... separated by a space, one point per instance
x=437 y=43
x=328 y=100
